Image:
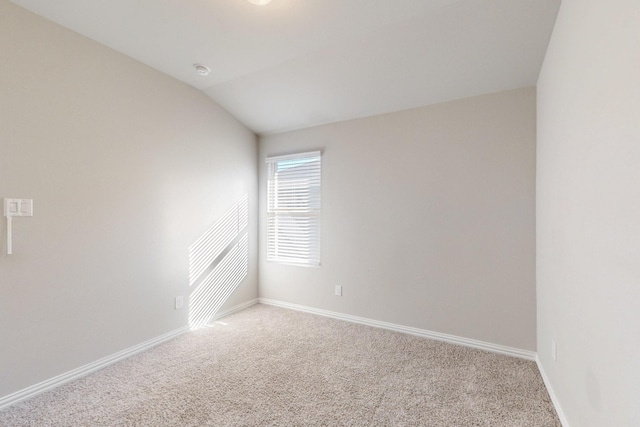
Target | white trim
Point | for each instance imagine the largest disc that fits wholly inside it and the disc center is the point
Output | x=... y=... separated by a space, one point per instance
x=453 y=339
x=274 y=159
x=86 y=369
x=552 y=394
x=82 y=371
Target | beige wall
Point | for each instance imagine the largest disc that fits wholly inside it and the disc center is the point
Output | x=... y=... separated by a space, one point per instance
x=427 y=219
x=127 y=167
x=588 y=212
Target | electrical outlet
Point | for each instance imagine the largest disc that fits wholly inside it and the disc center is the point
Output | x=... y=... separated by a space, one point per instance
x=338 y=290
x=554 y=349
x=179 y=302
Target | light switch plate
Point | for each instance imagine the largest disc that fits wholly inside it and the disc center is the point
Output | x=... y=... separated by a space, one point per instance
x=18 y=207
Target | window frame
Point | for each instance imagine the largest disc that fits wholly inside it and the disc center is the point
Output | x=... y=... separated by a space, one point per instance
x=294 y=209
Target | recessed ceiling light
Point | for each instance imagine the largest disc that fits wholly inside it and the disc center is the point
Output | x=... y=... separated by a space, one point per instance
x=202 y=70
x=259 y=2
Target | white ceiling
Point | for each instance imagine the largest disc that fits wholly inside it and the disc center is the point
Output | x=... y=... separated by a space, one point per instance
x=299 y=63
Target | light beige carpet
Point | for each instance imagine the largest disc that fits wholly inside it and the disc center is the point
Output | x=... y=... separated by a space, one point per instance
x=268 y=366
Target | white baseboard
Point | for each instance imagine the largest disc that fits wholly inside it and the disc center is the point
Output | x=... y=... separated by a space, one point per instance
x=552 y=394
x=74 y=374
x=453 y=339
x=86 y=369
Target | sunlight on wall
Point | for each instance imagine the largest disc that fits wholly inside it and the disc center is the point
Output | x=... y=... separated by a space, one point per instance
x=218 y=262
x=216 y=239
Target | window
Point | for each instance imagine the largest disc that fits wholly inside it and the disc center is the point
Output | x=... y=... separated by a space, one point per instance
x=293 y=209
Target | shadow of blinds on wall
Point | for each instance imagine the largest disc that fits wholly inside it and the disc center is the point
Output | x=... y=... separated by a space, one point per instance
x=293 y=208
x=218 y=262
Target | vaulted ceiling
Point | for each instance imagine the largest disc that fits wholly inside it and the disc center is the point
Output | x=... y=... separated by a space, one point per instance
x=298 y=63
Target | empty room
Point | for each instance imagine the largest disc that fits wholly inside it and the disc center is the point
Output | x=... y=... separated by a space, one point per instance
x=320 y=213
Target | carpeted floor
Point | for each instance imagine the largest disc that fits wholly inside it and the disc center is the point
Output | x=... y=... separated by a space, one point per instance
x=268 y=366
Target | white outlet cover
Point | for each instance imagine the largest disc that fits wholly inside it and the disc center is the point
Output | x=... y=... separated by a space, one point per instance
x=338 y=290
x=179 y=302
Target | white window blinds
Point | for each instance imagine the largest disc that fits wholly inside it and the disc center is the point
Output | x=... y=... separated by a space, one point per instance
x=293 y=209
